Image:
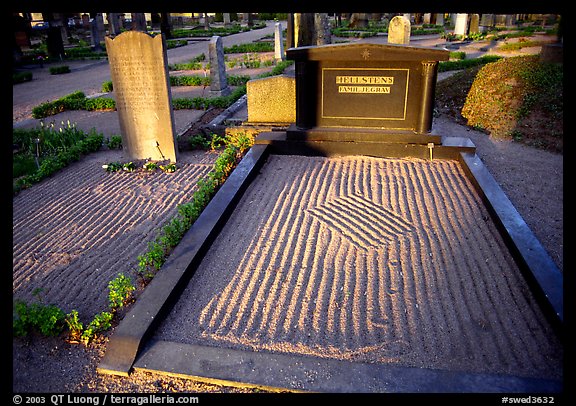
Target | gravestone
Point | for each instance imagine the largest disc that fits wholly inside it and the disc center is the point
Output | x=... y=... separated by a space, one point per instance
x=399 y=30
x=226 y=19
x=440 y=19
x=271 y=100
x=95 y=36
x=114 y=24
x=139 y=71
x=474 y=24
x=99 y=18
x=380 y=90
x=278 y=43
x=218 y=80
x=461 y=26
x=486 y=22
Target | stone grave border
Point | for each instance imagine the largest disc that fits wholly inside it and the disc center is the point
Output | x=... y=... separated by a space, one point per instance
x=130 y=347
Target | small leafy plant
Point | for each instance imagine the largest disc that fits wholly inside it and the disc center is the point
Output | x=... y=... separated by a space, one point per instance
x=114 y=142
x=120 y=291
x=100 y=322
x=75 y=326
x=150 y=166
x=45 y=319
x=129 y=167
x=198 y=141
x=168 y=168
x=112 y=166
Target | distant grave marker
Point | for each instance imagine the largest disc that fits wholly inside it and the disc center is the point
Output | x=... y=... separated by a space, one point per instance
x=399 y=30
x=139 y=70
x=218 y=80
x=278 y=43
x=461 y=26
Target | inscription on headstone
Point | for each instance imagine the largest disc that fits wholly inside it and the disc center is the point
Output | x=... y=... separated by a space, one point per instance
x=376 y=94
x=139 y=70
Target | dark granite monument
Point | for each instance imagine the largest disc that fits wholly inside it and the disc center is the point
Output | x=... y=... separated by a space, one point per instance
x=364 y=89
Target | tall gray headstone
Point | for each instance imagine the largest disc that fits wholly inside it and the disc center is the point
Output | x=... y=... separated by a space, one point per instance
x=399 y=31
x=139 y=71
x=226 y=19
x=100 y=24
x=95 y=36
x=218 y=80
x=278 y=43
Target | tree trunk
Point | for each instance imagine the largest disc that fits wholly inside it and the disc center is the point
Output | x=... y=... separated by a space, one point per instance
x=322 y=29
x=303 y=29
x=166 y=25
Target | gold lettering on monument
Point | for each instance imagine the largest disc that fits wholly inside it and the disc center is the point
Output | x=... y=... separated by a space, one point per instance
x=364 y=89
x=364 y=80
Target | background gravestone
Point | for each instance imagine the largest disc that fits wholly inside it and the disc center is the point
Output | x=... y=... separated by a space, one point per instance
x=278 y=43
x=474 y=24
x=399 y=31
x=218 y=80
x=139 y=70
x=440 y=19
x=461 y=26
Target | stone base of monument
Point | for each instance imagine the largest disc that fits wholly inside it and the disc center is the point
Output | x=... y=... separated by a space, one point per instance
x=360 y=135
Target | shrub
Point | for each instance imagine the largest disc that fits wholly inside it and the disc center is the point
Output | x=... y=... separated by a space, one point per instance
x=114 y=142
x=20 y=77
x=101 y=322
x=444 y=66
x=120 y=291
x=98 y=103
x=107 y=86
x=45 y=319
x=73 y=101
x=57 y=70
x=64 y=151
x=250 y=47
x=505 y=92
